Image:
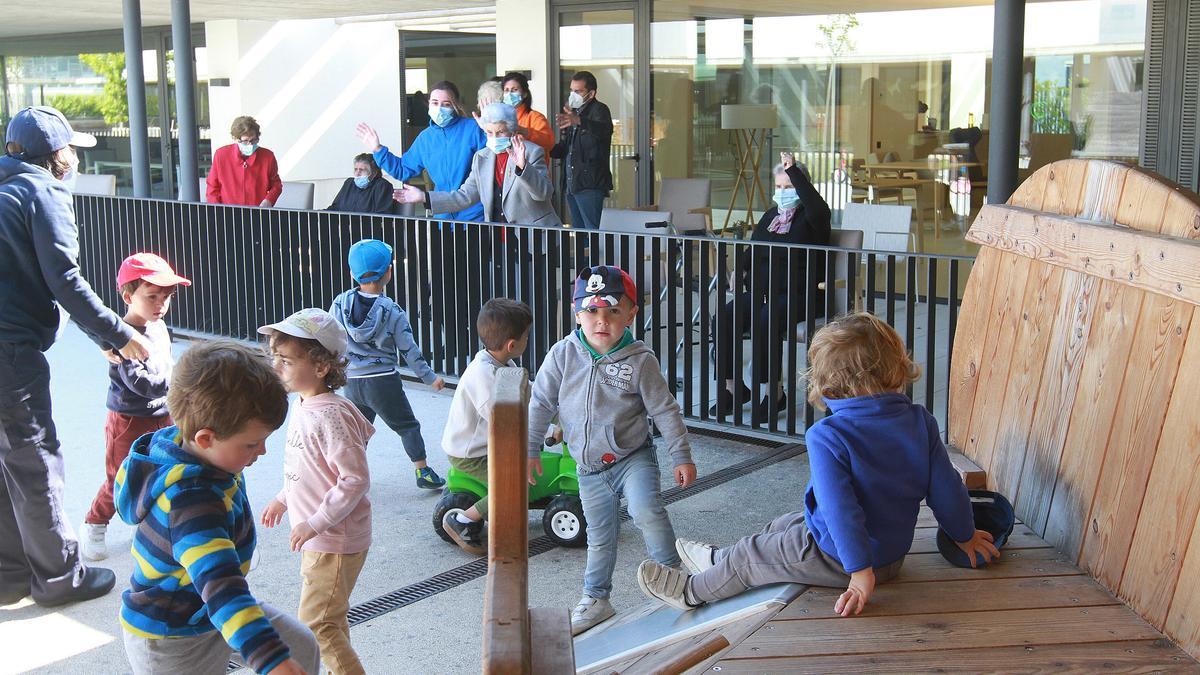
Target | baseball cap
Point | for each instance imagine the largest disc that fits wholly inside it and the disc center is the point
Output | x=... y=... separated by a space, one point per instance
x=603 y=286
x=151 y=269
x=993 y=513
x=312 y=324
x=40 y=130
x=369 y=259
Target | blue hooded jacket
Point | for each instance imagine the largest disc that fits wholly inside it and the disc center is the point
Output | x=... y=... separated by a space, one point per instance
x=378 y=333
x=445 y=152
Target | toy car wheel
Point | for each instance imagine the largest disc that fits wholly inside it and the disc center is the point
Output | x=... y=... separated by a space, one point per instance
x=564 y=523
x=450 y=500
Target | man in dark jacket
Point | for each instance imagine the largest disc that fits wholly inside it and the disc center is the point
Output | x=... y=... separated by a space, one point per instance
x=39 y=244
x=585 y=141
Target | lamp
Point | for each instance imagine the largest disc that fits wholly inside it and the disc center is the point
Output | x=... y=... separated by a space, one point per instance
x=750 y=124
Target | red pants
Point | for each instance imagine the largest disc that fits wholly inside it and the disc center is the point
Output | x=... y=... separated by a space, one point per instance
x=120 y=431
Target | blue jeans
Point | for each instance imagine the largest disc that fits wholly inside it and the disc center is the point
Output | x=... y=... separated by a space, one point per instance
x=384 y=396
x=586 y=206
x=637 y=478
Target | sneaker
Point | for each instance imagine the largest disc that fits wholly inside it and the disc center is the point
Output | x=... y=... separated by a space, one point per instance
x=468 y=536
x=427 y=479
x=696 y=556
x=91 y=542
x=589 y=613
x=665 y=584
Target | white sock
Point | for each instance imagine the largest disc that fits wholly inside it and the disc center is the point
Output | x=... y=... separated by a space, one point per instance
x=461 y=517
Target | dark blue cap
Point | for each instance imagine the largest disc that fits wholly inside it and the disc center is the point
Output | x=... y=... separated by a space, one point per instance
x=994 y=514
x=40 y=130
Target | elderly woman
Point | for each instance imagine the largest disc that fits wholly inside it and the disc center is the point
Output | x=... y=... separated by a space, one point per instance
x=489 y=93
x=367 y=191
x=508 y=177
x=774 y=278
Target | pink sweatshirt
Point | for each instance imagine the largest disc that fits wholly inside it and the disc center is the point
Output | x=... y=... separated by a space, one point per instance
x=325 y=474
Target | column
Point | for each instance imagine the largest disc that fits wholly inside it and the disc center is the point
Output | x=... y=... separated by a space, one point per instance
x=185 y=99
x=1008 y=52
x=135 y=91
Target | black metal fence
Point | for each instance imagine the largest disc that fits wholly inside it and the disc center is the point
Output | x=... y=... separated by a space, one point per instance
x=252 y=266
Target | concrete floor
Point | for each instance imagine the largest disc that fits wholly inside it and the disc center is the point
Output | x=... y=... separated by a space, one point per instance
x=440 y=634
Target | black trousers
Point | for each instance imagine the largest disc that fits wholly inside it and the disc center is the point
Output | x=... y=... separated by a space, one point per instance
x=765 y=347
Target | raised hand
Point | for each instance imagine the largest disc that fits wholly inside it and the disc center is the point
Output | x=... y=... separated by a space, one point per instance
x=478 y=119
x=409 y=195
x=566 y=118
x=368 y=136
x=787 y=159
x=516 y=152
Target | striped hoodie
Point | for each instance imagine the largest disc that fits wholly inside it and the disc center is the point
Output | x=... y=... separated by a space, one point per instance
x=195 y=536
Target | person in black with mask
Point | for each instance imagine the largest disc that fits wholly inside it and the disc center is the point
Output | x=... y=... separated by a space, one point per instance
x=367 y=191
x=585 y=142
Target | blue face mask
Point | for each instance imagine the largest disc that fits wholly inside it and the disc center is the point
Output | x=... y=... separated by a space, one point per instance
x=247 y=149
x=499 y=144
x=361 y=182
x=512 y=98
x=786 y=198
x=441 y=116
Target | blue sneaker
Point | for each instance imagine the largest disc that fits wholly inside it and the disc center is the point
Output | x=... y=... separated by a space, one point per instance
x=427 y=479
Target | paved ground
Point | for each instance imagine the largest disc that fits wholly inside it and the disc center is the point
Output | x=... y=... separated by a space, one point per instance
x=440 y=634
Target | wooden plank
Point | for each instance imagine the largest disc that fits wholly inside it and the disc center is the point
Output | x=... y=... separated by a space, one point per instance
x=1143 y=202
x=1182 y=217
x=925 y=539
x=1102 y=188
x=1032 y=191
x=1145 y=391
x=1092 y=415
x=976 y=595
x=1126 y=656
x=1168 y=512
x=1064 y=188
x=926 y=632
x=553 y=651
x=968 y=343
x=733 y=633
x=506 y=618
x=974 y=477
x=1154 y=262
x=1183 y=618
x=1034 y=562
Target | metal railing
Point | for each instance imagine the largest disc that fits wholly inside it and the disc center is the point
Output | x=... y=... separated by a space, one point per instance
x=252 y=266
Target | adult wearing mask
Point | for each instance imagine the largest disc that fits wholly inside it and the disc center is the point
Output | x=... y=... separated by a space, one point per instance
x=585 y=141
x=242 y=172
x=774 y=278
x=367 y=191
x=531 y=124
x=489 y=93
x=444 y=149
x=39 y=244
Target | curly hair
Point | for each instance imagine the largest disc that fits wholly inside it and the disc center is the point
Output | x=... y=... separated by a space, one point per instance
x=318 y=355
x=222 y=385
x=857 y=355
x=244 y=125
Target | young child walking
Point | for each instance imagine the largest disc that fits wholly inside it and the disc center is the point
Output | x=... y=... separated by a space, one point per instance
x=379 y=330
x=602 y=384
x=137 y=389
x=325 y=478
x=872 y=462
x=188 y=607
x=503 y=327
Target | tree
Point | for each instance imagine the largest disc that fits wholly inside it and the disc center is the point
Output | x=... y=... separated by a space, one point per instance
x=114 y=104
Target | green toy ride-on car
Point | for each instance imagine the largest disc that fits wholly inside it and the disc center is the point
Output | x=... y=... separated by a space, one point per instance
x=556 y=493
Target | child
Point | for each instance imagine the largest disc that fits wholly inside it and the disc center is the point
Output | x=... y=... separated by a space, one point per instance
x=503 y=326
x=602 y=384
x=873 y=461
x=188 y=606
x=137 y=389
x=325 y=478
x=378 y=329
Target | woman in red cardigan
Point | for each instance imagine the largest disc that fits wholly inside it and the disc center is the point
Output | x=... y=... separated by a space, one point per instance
x=242 y=172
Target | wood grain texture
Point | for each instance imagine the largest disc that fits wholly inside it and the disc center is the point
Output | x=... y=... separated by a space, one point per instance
x=1063 y=191
x=969 y=342
x=1102 y=186
x=1035 y=562
x=1183 y=618
x=553 y=651
x=1032 y=191
x=973 y=476
x=1182 y=217
x=925 y=539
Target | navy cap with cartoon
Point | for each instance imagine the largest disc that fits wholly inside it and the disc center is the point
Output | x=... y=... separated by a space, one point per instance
x=603 y=286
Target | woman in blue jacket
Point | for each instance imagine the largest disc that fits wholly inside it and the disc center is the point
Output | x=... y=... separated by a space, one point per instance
x=444 y=149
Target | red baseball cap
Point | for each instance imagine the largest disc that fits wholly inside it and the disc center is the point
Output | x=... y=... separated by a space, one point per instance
x=151 y=269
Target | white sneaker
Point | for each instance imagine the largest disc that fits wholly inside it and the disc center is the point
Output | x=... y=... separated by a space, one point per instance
x=589 y=613
x=696 y=556
x=665 y=584
x=91 y=542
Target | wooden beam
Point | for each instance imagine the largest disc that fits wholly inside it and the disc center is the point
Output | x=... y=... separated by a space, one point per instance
x=972 y=476
x=1150 y=261
x=550 y=641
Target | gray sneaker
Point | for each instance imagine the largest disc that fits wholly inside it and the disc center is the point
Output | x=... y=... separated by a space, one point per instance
x=590 y=612
x=91 y=542
x=696 y=556
x=665 y=584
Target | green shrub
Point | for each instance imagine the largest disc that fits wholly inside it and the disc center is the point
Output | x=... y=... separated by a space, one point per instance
x=77 y=106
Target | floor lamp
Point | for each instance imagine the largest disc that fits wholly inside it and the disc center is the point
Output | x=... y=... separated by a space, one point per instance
x=750 y=125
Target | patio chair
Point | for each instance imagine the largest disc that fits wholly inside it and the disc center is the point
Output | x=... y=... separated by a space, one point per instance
x=631 y=221
x=296 y=195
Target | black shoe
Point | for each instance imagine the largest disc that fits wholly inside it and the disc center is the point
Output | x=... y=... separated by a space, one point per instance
x=724 y=404
x=97 y=581
x=762 y=409
x=468 y=536
x=13 y=595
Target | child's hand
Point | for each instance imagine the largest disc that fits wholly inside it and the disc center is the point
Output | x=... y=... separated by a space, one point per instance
x=273 y=513
x=289 y=667
x=535 y=466
x=980 y=543
x=862 y=585
x=685 y=474
x=438 y=384
x=111 y=356
x=301 y=533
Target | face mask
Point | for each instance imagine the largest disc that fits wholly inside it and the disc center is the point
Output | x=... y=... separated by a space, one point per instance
x=69 y=179
x=247 y=149
x=441 y=116
x=499 y=144
x=512 y=98
x=361 y=182
x=786 y=198
x=575 y=100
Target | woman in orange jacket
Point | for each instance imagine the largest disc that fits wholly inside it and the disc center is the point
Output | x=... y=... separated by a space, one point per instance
x=530 y=123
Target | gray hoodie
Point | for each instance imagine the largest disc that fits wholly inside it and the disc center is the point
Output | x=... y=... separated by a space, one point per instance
x=376 y=339
x=602 y=404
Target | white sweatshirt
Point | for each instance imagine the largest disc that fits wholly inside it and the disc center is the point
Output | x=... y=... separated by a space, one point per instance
x=466 y=433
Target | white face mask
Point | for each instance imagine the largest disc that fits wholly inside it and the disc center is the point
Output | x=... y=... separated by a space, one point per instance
x=70 y=179
x=575 y=100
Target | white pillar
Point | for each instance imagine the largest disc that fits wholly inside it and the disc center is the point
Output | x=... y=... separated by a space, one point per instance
x=523 y=43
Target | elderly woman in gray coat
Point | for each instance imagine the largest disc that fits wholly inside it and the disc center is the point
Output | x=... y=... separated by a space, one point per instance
x=508 y=177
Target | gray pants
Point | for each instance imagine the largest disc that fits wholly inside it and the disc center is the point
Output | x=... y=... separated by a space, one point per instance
x=785 y=551
x=38 y=549
x=384 y=396
x=210 y=653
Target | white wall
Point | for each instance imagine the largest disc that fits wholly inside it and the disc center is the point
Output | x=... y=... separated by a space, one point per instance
x=522 y=32
x=308 y=83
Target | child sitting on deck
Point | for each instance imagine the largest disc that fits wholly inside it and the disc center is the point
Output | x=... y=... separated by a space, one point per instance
x=872 y=462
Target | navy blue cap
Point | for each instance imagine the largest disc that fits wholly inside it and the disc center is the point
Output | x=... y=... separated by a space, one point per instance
x=603 y=286
x=993 y=513
x=40 y=130
x=369 y=259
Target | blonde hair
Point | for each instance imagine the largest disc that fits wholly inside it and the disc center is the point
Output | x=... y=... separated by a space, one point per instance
x=222 y=385
x=857 y=355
